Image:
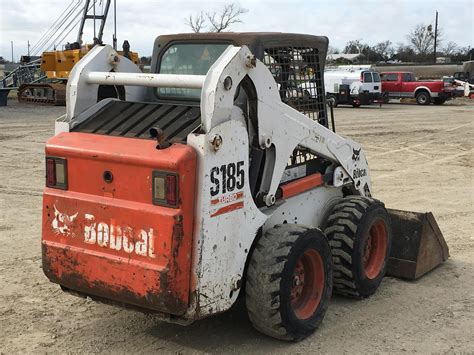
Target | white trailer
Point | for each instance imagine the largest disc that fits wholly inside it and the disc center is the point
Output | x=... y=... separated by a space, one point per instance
x=350 y=85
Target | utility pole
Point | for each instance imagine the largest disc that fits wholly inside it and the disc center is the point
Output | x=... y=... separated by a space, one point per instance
x=28 y=48
x=435 y=37
x=12 y=51
x=114 y=38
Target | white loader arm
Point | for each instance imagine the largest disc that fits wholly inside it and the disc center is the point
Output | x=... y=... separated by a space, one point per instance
x=279 y=125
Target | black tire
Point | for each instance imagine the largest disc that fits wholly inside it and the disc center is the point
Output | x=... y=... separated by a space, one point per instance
x=423 y=98
x=355 y=105
x=271 y=282
x=438 y=101
x=354 y=224
x=332 y=98
x=307 y=98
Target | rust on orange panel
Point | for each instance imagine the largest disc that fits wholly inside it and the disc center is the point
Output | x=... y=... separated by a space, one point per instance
x=304 y=184
x=120 y=246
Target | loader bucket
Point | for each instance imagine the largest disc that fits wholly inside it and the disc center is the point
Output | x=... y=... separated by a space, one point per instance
x=418 y=246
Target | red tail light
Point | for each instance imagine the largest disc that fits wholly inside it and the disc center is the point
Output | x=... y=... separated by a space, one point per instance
x=56 y=173
x=171 y=190
x=165 y=189
x=50 y=172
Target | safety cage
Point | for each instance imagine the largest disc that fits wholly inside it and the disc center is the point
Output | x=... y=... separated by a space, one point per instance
x=298 y=74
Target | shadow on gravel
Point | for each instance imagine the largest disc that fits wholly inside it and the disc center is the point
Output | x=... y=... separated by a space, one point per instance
x=232 y=329
x=226 y=331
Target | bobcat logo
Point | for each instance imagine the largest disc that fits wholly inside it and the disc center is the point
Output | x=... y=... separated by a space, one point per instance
x=62 y=223
x=356 y=154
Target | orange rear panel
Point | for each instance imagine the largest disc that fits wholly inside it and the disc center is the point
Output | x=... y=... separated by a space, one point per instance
x=108 y=239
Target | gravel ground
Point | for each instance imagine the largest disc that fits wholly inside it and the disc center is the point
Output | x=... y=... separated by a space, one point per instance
x=421 y=158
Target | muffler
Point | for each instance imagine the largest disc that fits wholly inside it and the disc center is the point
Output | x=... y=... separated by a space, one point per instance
x=418 y=246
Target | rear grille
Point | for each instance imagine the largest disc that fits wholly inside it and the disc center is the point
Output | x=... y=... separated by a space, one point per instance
x=134 y=119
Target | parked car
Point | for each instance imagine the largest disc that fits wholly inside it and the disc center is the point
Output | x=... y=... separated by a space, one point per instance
x=348 y=86
x=404 y=84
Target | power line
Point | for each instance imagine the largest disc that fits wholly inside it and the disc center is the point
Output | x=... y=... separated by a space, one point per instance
x=73 y=13
x=51 y=27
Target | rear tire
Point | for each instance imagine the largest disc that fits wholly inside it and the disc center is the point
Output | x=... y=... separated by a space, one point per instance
x=333 y=99
x=423 y=98
x=360 y=236
x=289 y=282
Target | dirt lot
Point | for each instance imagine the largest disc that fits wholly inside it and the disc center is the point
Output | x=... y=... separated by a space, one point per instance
x=421 y=158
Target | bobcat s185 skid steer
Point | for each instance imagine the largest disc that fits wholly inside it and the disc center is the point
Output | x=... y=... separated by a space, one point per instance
x=216 y=177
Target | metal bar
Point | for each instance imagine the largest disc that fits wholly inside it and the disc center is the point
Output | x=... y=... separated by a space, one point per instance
x=114 y=39
x=148 y=80
x=332 y=117
x=103 y=18
x=93 y=9
x=83 y=20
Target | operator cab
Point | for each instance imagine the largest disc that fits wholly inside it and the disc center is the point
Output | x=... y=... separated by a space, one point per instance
x=291 y=58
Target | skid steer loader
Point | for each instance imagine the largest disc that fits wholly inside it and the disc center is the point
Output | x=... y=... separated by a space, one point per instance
x=213 y=177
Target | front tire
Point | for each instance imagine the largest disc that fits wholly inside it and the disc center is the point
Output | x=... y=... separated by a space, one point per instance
x=289 y=282
x=360 y=236
x=423 y=98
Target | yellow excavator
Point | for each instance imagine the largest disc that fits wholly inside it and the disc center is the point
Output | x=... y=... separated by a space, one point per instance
x=56 y=65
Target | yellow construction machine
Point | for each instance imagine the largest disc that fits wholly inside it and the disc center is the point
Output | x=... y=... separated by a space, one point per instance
x=50 y=87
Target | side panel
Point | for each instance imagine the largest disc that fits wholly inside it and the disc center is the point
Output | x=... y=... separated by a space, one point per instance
x=227 y=219
x=308 y=208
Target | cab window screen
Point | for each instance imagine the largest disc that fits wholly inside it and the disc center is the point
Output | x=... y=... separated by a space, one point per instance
x=367 y=77
x=188 y=59
x=376 y=77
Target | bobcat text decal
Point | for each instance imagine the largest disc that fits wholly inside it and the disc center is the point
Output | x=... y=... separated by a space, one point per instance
x=118 y=237
x=106 y=235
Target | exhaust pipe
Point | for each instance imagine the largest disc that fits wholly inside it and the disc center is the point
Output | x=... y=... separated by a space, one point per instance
x=418 y=245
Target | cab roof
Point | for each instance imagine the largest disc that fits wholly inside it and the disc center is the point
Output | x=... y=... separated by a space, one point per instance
x=254 y=40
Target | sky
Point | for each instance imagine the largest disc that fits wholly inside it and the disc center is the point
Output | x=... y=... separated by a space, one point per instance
x=140 y=22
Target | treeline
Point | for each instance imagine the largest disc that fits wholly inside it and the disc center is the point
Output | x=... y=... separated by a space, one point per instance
x=419 y=48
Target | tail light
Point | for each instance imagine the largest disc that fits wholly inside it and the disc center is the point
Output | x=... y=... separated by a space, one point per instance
x=56 y=173
x=165 y=189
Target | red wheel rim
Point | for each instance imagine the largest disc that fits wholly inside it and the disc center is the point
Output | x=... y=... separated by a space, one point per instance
x=308 y=284
x=375 y=249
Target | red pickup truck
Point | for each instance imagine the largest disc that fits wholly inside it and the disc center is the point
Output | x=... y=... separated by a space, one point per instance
x=398 y=85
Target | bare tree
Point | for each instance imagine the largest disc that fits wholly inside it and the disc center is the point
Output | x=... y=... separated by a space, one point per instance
x=421 y=39
x=196 y=22
x=384 y=50
x=229 y=16
x=333 y=50
x=355 y=47
x=218 y=21
x=405 y=53
x=450 y=48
